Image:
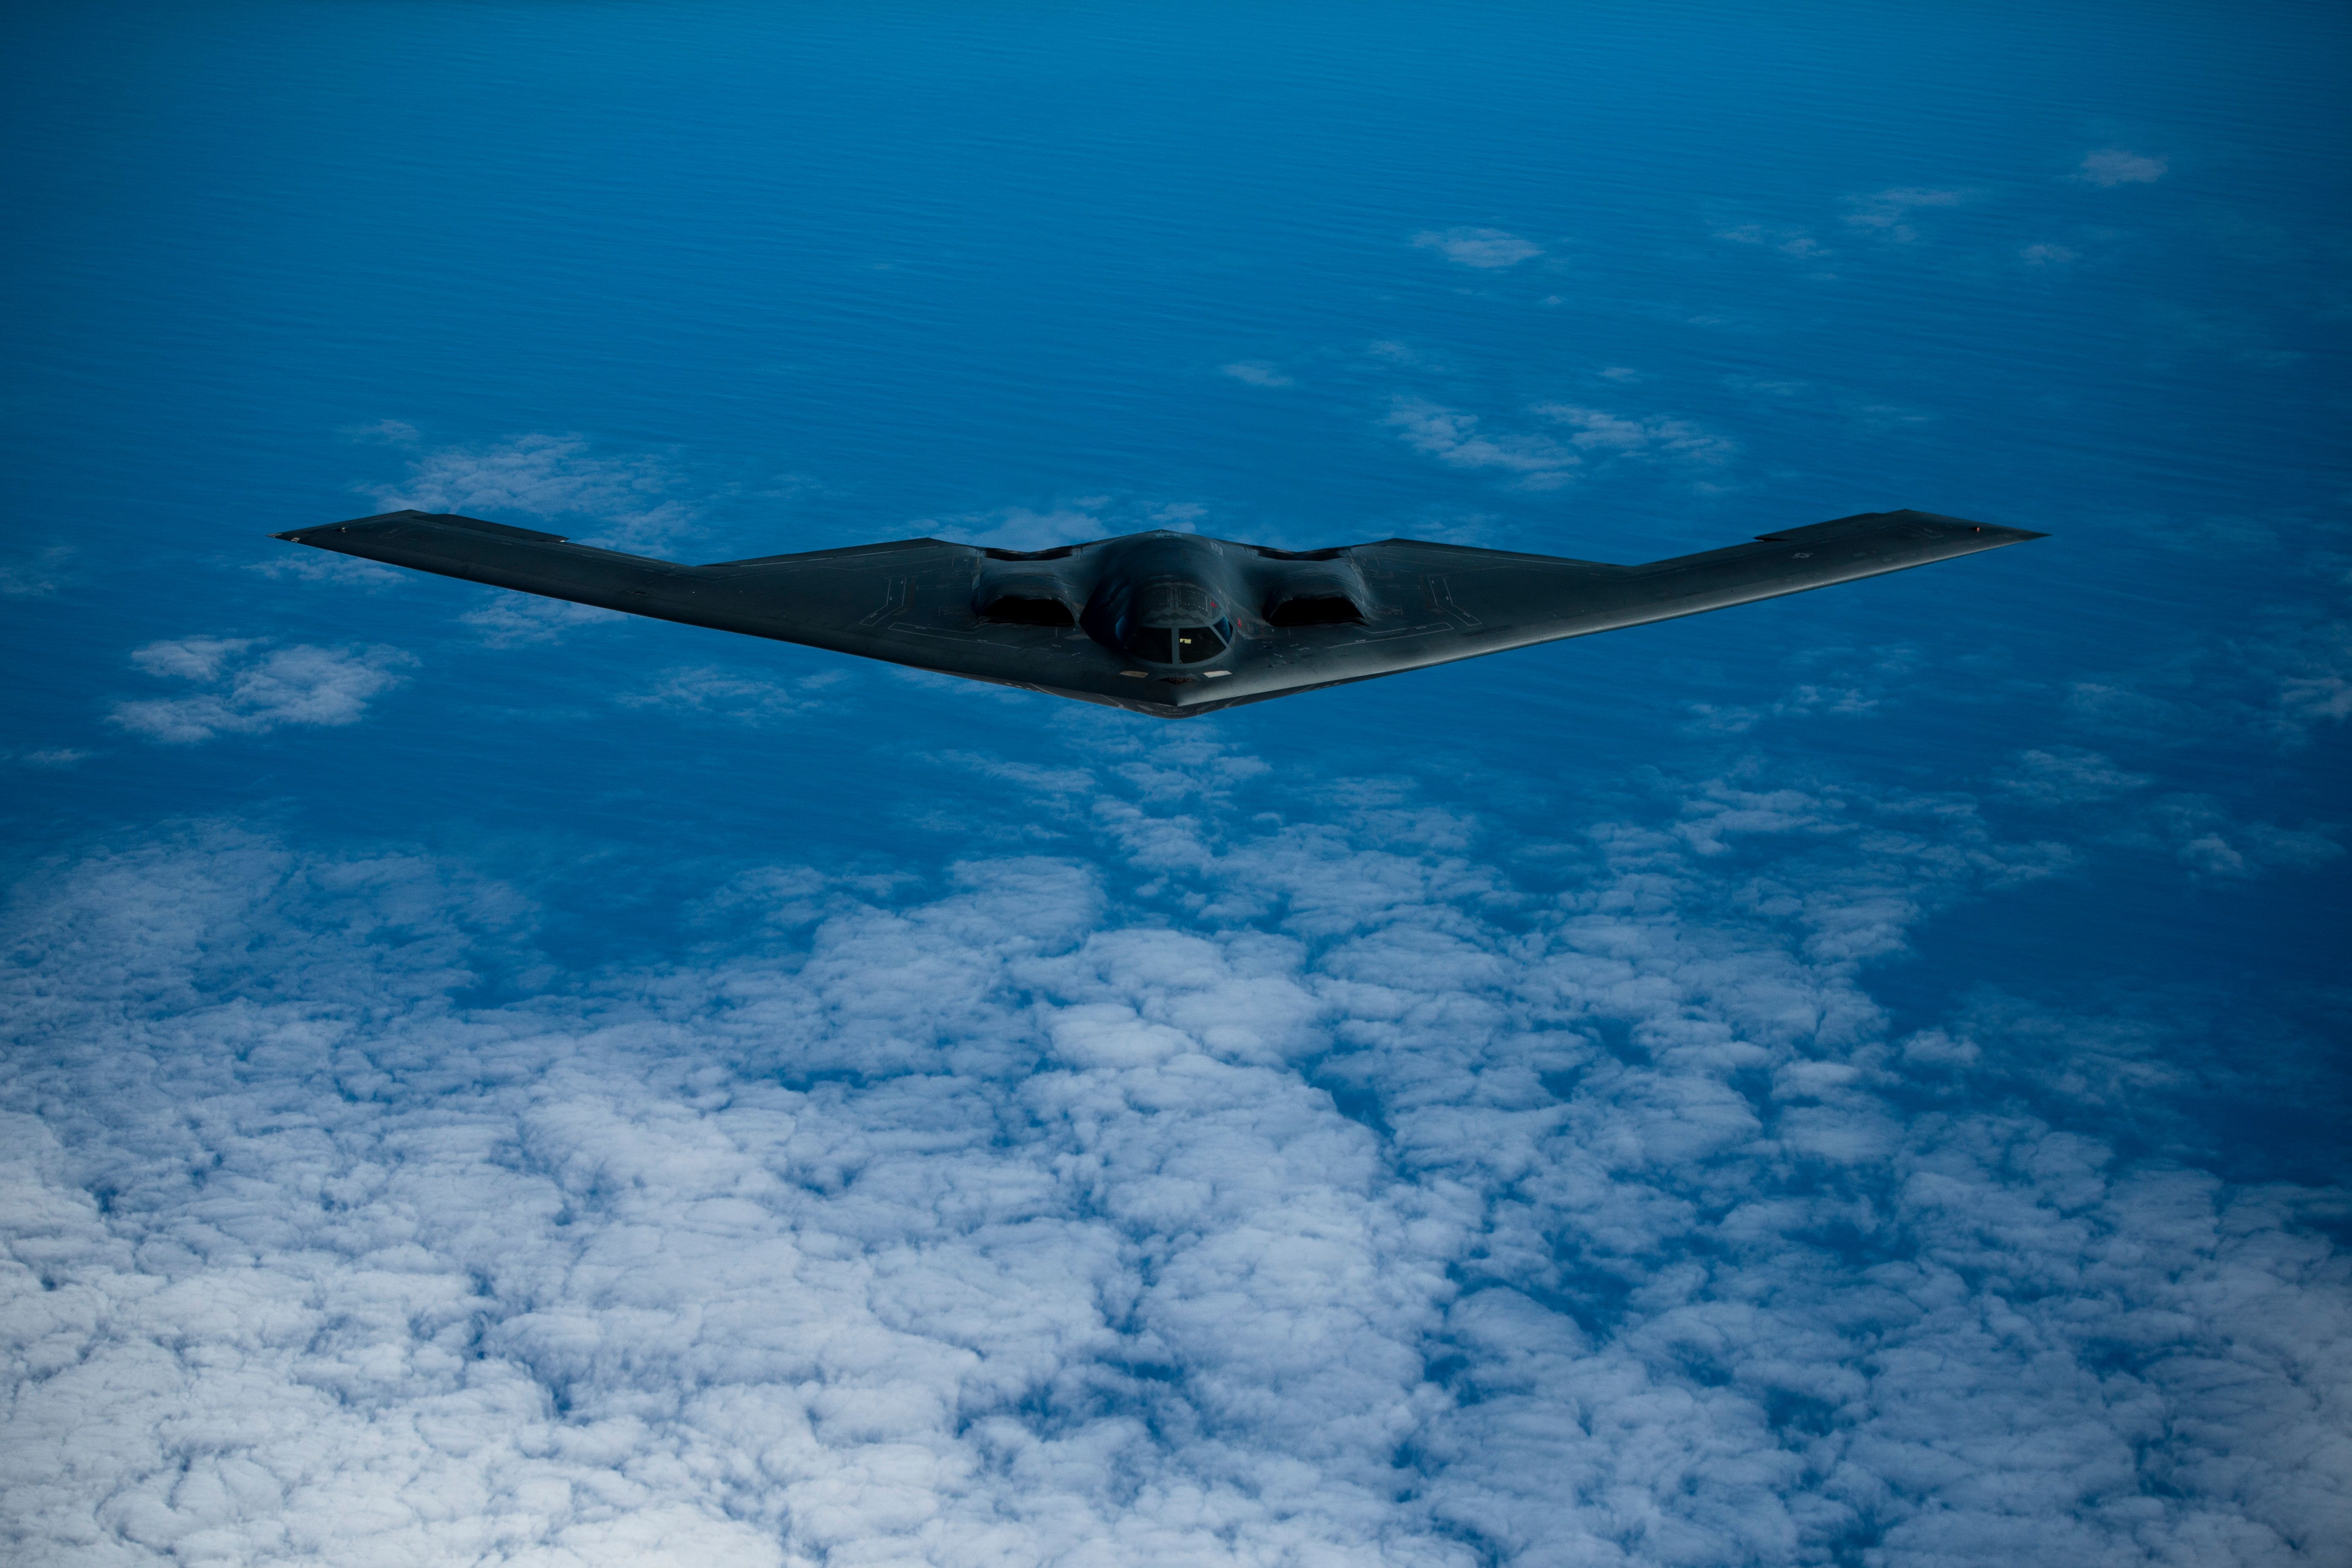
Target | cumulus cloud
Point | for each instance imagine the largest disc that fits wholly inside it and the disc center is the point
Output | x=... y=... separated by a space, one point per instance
x=1802 y=701
x=2196 y=830
x=1237 y=1192
x=324 y=566
x=1887 y=212
x=2311 y=666
x=1074 y=521
x=628 y=502
x=384 y=433
x=1795 y=242
x=520 y=620
x=243 y=687
x=36 y=576
x=1256 y=373
x=1489 y=249
x=1846 y=682
x=1454 y=437
x=2068 y=775
x=1600 y=433
x=2115 y=166
x=711 y=693
x=1537 y=460
x=2209 y=839
x=2278 y=681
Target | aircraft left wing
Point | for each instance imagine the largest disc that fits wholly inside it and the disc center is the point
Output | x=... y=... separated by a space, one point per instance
x=907 y=602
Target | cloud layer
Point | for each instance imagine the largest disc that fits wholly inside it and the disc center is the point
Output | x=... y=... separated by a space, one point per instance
x=1234 y=1193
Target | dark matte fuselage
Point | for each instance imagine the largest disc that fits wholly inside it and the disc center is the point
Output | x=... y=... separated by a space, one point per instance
x=1166 y=623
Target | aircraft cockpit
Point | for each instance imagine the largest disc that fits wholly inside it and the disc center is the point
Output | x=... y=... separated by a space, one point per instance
x=1174 y=623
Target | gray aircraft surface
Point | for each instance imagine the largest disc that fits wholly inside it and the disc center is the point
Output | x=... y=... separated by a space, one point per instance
x=1166 y=623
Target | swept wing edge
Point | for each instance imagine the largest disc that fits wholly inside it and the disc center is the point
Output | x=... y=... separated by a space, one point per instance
x=1491 y=601
x=835 y=599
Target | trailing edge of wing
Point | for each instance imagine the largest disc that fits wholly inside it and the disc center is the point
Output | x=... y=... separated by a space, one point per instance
x=1487 y=601
x=839 y=599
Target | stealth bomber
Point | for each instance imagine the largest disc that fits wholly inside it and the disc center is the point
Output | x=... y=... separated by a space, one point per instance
x=1166 y=623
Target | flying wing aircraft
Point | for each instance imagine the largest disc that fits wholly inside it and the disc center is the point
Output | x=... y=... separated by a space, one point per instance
x=1166 y=623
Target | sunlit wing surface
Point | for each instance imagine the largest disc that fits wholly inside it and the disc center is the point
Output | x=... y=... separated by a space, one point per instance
x=1165 y=624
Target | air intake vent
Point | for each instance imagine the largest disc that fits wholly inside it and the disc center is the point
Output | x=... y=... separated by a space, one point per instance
x=1327 y=611
x=1022 y=612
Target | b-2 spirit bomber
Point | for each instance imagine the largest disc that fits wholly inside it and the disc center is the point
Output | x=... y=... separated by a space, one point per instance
x=1166 y=623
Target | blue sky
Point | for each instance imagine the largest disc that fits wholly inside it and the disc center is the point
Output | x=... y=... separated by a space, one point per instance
x=1854 y=1080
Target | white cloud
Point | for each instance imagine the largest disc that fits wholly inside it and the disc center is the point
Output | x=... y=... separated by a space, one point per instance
x=1333 y=1199
x=384 y=433
x=1802 y=700
x=520 y=620
x=2068 y=775
x=1795 y=242
x=1079 y=520
x=712 y=692
x=190 y=658
x=1454 y=437
x=1541 y=461
x=2277 y=680
x=243 y=692
x=1848 y=683
x=1600 y=433
x=1256 y=373
x=2311 y=668
x=2115 y=166
x=2047 y=256
x=626 y=502
x=1021 y=528
x=324 y=566
x=1887 y=212
x=37 y=575
x=1482 y=248
x=49 y=757
x=2196 y=830
x=2210 y=840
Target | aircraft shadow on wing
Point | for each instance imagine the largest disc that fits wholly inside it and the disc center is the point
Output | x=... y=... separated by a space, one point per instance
x=1166 y=623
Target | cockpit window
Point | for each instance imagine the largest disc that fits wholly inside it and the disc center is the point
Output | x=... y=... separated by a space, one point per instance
x=1171 y=621
x=1195 y=645
x=1178 y=645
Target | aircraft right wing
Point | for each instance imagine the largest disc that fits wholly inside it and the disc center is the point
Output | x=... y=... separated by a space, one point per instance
x=1460 y=601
